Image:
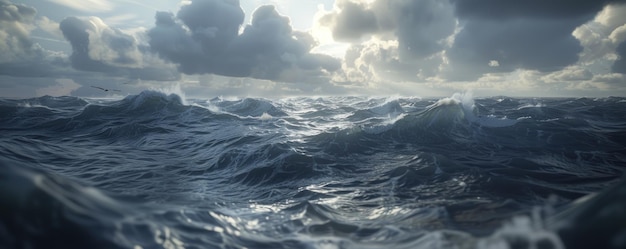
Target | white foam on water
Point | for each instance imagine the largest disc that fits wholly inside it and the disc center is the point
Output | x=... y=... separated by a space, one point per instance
x=386 y=125
x=265 y=116
x=173 y=89
x=466 y=100
x=524 y=233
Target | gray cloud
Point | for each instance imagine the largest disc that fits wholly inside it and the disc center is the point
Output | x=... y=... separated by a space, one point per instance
x=353 y=22
x=204 y=38
x=460 y=40
x=533 y=35
x=534 y=44
x=20 y=55
x=410 y=37
x=16 y=12
x=620 y=64
x=97 y=47
x=553 y=9
x=420 y=27
x=75 y=31
x=44 y=65
x=383 y=61
x=219 y=19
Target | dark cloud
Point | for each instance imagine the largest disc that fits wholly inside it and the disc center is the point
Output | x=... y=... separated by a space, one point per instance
x=272 y=50
x=99 y=48
x=459 y=40
x=553 y=9
x=421 y=27
x=543 y=45
x=533 y=35
x=620 y=64
x=204 y=38
x=75 y=31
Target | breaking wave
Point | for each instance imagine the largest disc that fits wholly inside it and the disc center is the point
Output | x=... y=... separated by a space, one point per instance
x=156 y=170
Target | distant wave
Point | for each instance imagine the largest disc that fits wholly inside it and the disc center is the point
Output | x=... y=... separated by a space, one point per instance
x=250 y=108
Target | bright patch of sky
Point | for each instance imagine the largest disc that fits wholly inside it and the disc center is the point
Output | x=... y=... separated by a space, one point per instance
x=314 y=47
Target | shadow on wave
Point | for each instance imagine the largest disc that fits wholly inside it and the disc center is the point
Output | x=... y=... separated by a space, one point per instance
x=249 y=107
x=447 y=120
x=131 y=117
x=42 y=210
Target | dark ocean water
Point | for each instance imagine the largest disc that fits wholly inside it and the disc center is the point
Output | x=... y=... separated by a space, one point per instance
x=156 y=170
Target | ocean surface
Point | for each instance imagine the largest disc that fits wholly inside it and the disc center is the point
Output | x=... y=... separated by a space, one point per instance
x=159 y=170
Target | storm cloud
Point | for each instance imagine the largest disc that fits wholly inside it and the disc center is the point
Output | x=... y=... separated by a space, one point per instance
x=97 y=47
x=458 y=40
x=543 y=45
x=531 y=35
x=620 y=64
x=553 y=9
x=204 y=38
x=387 y=45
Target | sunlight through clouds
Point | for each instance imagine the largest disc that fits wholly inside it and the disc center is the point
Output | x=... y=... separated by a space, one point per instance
x=359 y=46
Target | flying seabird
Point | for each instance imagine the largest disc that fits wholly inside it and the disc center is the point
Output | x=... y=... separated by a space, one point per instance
x=106 y=90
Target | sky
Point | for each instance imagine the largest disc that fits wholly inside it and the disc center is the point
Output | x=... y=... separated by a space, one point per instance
x=279 y=48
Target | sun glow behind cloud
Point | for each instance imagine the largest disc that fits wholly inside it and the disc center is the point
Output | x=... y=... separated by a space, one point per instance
x=324 y=46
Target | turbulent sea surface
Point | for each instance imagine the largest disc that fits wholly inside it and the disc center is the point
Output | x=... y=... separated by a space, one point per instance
x=157 y=170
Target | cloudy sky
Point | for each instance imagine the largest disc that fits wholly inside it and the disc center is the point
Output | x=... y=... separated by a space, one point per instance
x=273 y=48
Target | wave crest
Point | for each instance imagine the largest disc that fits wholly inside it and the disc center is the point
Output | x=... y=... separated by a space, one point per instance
x=250 y=107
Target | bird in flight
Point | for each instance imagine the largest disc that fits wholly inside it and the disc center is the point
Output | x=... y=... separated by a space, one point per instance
x=106 y=90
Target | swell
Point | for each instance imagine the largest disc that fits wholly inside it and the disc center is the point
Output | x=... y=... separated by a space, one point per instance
x=349 y=172
x=41 y=210
x=133 y=117
x=249 y=107
x=545 y=150
x=448 y=120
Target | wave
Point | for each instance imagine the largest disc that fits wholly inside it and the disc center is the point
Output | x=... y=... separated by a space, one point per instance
x=446 y=120
x=44 y=210
x=456 y=112
x=155 y=170
x=40 y=210
x=250 y=107
x=149 y=102
x=131 y=118
x=596 y=220
x=130 y=115
x=387 y=109
x=39 y=109
x=54 y=102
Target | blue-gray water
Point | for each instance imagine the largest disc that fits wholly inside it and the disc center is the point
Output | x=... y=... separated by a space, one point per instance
x=156 y=170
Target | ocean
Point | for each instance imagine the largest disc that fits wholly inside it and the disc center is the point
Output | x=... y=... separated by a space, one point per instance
x=159 y=170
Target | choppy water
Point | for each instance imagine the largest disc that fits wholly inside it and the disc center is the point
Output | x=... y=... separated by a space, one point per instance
x=156 y=170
